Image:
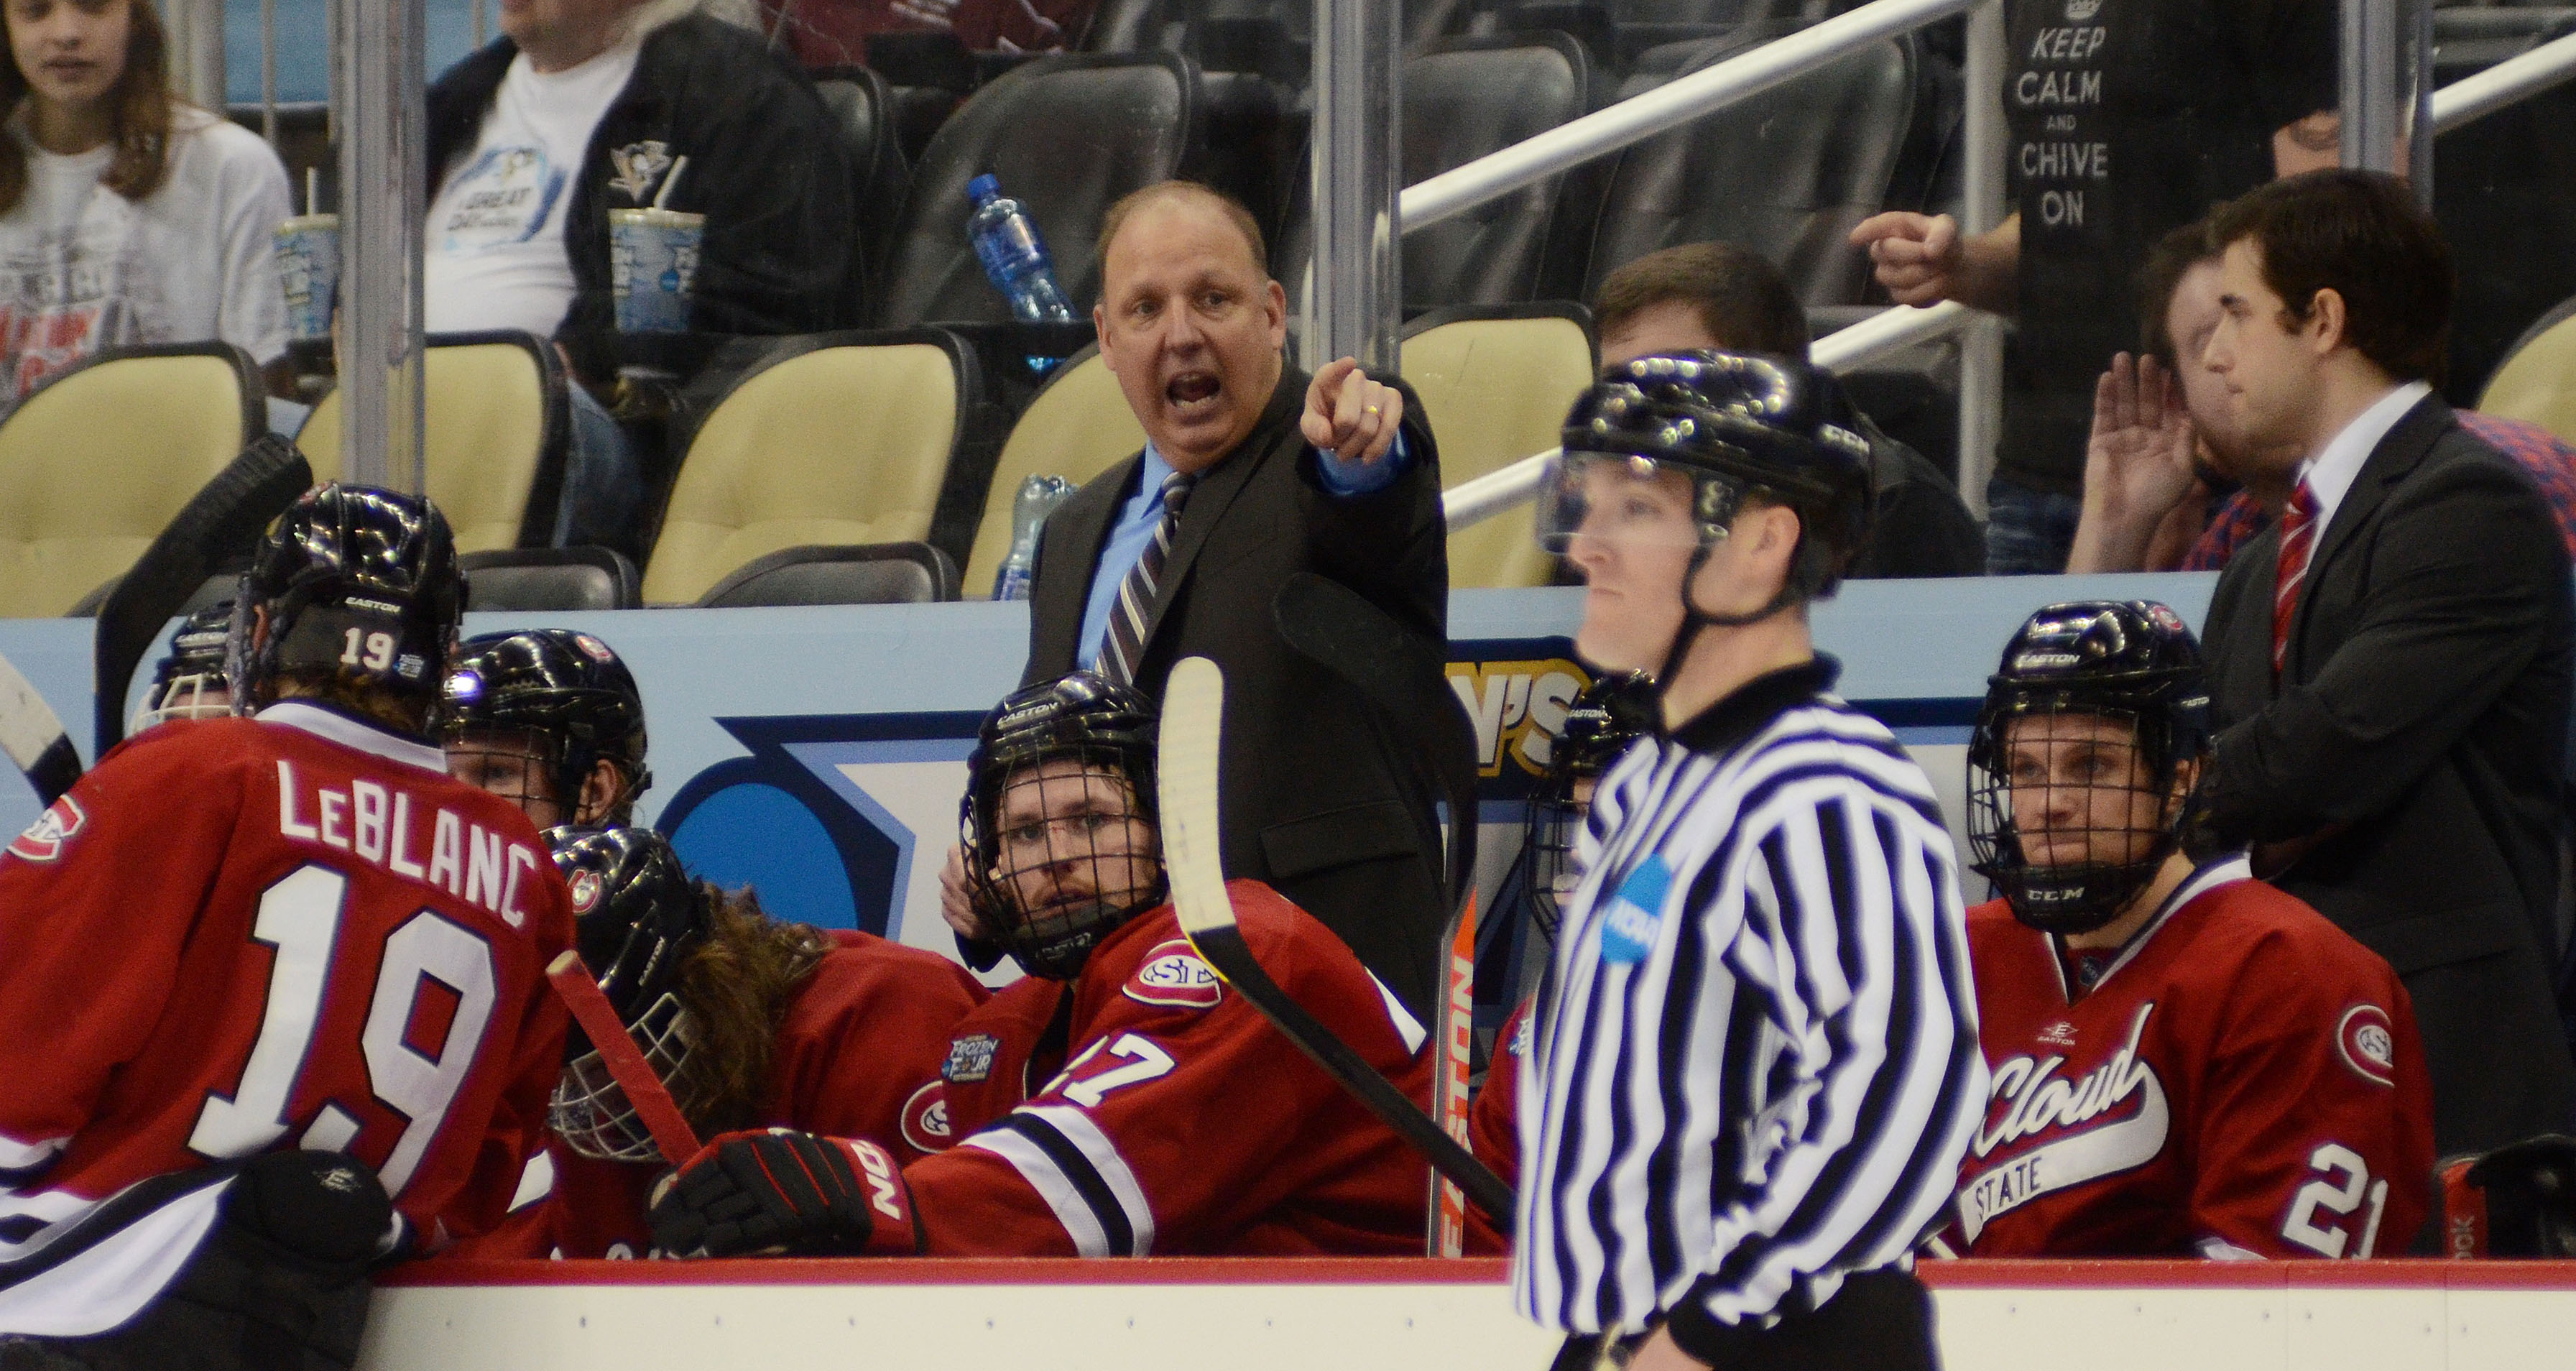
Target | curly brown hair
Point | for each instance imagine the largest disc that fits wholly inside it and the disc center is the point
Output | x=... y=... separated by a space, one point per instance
x=142 y=114
x=736 y=988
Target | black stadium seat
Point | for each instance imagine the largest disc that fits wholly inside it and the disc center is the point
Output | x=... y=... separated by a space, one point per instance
x=1463 y=99
x=1067 y=135
x=864 y=105
x=1787 y=172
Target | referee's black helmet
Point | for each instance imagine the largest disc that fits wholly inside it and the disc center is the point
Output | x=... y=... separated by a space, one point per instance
x=1736 y=424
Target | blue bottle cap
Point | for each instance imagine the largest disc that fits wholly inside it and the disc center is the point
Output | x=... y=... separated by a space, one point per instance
x=983 y=188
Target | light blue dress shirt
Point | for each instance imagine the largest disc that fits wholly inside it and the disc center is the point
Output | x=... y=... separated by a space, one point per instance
x=1137 y=518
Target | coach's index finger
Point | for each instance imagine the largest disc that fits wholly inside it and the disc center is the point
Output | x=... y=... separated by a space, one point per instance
x=1321 y=395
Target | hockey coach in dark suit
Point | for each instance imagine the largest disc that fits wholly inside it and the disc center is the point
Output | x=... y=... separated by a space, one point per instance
x=1254 y=472
x=2390 y=665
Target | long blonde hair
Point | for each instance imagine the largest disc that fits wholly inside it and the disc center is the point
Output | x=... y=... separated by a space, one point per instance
x=140 y=107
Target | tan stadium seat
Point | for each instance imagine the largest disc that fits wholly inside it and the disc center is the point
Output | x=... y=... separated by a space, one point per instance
x=831 y=439
x=2536 y=381
x=1496 y=381
x=96 y=463
x=1078 y=427
x=498 y=427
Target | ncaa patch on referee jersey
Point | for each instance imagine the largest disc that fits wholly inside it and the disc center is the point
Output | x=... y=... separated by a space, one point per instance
x=1628 y=932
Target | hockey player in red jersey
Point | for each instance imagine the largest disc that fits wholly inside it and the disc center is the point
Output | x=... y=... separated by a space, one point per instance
x=2184 y=1059
x=751 y=1023
x=1179 y=1121
x=260 y=975
x=551 y=720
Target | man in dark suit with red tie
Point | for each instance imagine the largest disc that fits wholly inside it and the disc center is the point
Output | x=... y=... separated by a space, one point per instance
x=1252 y=473
x=2391 y=665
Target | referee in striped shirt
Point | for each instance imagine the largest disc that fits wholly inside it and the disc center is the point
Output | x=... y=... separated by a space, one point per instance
x=1757 y=1061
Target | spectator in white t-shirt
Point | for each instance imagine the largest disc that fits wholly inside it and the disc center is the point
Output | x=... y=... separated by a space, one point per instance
x=586 y=106
x=126 y=217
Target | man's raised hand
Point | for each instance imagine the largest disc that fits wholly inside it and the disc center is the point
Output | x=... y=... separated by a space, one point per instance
x=1917 y=256
x=1349 y=415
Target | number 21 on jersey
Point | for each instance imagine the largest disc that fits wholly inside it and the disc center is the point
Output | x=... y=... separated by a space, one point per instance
x=300 y=920
x=2321 y=1213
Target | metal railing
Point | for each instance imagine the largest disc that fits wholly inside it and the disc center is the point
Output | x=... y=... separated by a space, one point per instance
x=2514 y=79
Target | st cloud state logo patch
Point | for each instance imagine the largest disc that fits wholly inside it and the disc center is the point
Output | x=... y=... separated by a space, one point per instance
x=52 y=831
x=925 y=1119
x=1174 y=976
x=2368 y=1044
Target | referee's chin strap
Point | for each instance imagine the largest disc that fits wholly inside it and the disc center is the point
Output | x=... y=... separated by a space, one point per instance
x=1695 y=618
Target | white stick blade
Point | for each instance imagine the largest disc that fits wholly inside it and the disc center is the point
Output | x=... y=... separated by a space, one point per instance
x=1186 y=776
x=27 y=724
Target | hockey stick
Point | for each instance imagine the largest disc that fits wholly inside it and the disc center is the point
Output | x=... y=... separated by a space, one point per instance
x=34 y=738
x=1395 y=671
x=213 y=532
x=1186 y=771
x=672 y=1135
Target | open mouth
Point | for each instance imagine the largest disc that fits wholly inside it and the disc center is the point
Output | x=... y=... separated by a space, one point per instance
x=1192 y=391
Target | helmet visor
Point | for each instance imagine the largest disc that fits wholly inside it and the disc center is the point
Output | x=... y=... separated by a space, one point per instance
x=1627 y=501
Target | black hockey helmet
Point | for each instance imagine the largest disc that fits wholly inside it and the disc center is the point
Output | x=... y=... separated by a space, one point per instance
x=358 y=583
x=638 y=917
x=2134 y=663
x=1605 y=717
x=189 y=681
x=570 y=692
x=1089 y=871
x=1734 y=424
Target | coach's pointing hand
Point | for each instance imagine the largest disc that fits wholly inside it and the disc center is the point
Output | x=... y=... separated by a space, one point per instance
x=1349 y=415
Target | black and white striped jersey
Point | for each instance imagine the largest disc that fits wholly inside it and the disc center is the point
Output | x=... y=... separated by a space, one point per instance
x=1757 y=1063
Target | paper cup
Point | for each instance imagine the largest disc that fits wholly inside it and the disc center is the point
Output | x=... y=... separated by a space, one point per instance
x=308 y=267
x=652 y=263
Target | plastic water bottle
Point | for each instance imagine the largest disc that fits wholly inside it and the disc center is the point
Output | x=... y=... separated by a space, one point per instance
x=1014 y=257
x=1038 y=497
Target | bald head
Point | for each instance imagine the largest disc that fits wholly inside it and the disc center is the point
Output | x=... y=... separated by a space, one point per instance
x=1162 y=192
x=1189 y=320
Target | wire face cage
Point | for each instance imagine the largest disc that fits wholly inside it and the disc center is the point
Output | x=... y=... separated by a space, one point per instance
x=1066 y=854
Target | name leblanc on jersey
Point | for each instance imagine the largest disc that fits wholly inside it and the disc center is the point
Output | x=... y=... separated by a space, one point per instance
x=377 y=823
x=2029 y=1098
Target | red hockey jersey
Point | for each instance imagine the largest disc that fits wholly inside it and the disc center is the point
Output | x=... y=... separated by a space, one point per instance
x=236 y=936
x=2244 y=1080
x=1185 y=1123
x=857 y=1055
x=994 y=1063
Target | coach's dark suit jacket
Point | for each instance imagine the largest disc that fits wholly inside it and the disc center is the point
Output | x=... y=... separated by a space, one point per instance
x=1318 y=797
x=2419 y=724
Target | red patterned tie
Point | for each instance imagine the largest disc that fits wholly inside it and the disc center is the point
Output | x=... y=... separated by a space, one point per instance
x=2298 y=540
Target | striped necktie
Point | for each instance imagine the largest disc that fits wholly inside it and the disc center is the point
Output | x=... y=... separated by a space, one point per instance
x=2298 y=542
x=1124 y=646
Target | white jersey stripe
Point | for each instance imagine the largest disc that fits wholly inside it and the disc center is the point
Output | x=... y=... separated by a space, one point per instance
x=30 y=1156
x=1095 y=1146
x=1046 y=1178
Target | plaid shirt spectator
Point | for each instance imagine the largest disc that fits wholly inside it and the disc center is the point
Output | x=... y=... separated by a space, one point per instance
x=2552 y=465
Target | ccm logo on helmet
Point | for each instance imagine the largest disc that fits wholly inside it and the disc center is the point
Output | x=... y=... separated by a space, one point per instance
x=880 y=1171
x=1173 y=975
x=45 y=838
x=2368 y=1044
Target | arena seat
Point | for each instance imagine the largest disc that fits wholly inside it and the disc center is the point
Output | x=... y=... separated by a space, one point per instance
x=1066 y=135
x=499 y=425
x=864 y=105
x=550 y=578
x=2536 y=381
x=1077 y=427
x=1788 y=172
x=828 y=439
x=1495 y=383
x=98 y=461
x=1463 y=99
x=909 y=573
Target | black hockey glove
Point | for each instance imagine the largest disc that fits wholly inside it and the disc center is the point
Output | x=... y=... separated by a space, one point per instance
x=780 y=1192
